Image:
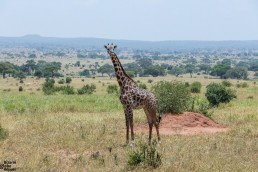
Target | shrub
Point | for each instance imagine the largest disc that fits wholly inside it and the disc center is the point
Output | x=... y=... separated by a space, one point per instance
x=87 y=89
x=226 y=83
x=200 y=105
x=187 y=84
x=61 y=81
x=68 y=80
x=150 y=81
x=243 y=85
x=48 y=86
x=142 y=86
x=66 y=89
x=173 y=96
x=111 y=89
x=196 y=87
x=217 y=93
x=21 y=81
x=20 y=88
x=3 y=133
x=146 y=155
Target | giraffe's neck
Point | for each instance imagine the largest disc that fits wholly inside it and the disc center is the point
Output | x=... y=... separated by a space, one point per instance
x=121 y=75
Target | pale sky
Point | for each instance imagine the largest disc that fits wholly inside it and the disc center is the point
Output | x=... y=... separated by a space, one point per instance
x=154 y=20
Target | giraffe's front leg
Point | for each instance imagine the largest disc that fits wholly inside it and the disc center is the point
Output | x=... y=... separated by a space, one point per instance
x=127 y=126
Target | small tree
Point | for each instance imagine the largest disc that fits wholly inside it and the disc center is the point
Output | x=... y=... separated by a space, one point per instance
x=68 y=80
x=20 y=88
x=196 y=87
x=48 y=86
x=111 y=89
x=87 y=89
x=218 y=93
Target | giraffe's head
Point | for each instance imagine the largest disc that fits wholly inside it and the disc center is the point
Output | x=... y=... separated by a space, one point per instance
x=110 y=47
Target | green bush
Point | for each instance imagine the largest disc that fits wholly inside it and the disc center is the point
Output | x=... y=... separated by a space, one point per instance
x=112 y=89
x=196 y=87
x=48 y=86
x=87 y=89
x=242 y=85
x=20 y=88
x=3 y=133
x=226 y=83
x=68 y=80
x=200 y=105
x=66 y=89
x=150 y=80
x=61 y=81
x=217 y=93
x=142 y=86
x=173 y=96
x=146 y=155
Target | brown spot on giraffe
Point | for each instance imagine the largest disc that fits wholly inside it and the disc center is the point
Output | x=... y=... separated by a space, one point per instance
x=133 y=97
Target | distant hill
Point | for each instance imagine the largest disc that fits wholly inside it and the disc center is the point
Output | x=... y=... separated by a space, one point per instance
x=37 y=41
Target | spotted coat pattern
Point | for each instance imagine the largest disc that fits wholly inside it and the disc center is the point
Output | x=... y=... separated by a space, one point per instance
x=133 y=97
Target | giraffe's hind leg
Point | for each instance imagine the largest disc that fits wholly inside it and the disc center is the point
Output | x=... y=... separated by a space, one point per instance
x=152 y=119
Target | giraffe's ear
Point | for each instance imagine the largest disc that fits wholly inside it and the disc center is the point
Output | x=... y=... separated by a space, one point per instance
x=115 y=46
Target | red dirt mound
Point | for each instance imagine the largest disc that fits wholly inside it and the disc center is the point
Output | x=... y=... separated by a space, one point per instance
x=188 y=123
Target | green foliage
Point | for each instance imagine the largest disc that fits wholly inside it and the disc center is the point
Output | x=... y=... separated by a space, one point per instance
x=142 y=86
x=20 y=88
x=154 y=70
x=6 y=67
x=85 y=73
x=218 y=93
x=220 y=70
x=150 y=80
x=226 y=83
x=61 y=81
x=106 y=68
x=200 y=105
x=173 y=96
x=237 y=73
x=68 y=80
x=3 y=133
x=112 y=89
x=242 y=85
x=146 y=155
x=48 y=86
x=65 y=89
x=196 y=87
x=87 y=89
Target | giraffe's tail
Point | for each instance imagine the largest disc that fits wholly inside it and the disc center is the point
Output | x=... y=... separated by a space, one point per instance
x=159 y=116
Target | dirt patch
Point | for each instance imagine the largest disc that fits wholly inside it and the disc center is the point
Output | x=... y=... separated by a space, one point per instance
x=187 y=123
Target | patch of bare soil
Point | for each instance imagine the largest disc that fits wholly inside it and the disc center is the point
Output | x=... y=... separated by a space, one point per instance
x=187 y=123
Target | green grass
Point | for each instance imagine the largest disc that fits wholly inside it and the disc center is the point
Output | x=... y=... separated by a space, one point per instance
x=87 y=133
x=34 y=104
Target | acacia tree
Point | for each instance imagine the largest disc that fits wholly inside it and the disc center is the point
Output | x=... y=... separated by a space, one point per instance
x=106 y=68
x=219 y=70
x=6 y=67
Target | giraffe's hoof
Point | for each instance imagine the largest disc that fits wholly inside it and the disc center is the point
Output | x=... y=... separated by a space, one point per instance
x=132 y=143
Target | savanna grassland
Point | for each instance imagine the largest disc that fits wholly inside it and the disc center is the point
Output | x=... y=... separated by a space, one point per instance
x=87 y=132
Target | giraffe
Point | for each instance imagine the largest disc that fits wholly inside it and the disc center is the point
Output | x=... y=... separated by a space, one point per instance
x=133 y=97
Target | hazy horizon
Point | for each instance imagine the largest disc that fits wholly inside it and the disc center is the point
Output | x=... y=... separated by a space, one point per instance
x=145 y=20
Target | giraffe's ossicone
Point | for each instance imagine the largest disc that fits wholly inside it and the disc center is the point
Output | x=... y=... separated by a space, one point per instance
x=133 y=97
